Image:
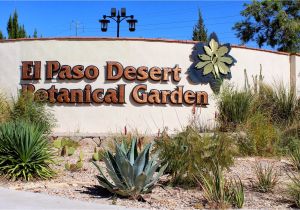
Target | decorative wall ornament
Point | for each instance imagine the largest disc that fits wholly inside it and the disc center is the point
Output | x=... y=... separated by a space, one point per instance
x=211 y=63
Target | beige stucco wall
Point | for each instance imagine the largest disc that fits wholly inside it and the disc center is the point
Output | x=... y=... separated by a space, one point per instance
x=297 y=63
x=112 y=118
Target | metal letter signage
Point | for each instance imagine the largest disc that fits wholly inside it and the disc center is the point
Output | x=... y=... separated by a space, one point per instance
x=140 y=94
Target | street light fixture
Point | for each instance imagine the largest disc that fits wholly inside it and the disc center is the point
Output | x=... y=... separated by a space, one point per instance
x=118 y=19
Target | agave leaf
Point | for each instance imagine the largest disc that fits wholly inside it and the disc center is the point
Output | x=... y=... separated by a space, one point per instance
x=105 y=183
x=139 y=163
x=114 y=171
x=227 y=60
x=223 y=68
x=132 y=153
x=151 y=172
x=213 y=45
x=123 y=147
x=154 y=180
x=201 y=64
x=208 y=50
x=147 y=156
x=102 y=175
x=208 y=69
x=222 y=51
x=124 y=166
x=139 y=182
x=204 y=57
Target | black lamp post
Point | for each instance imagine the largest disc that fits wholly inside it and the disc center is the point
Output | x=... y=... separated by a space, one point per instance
x=118 y=19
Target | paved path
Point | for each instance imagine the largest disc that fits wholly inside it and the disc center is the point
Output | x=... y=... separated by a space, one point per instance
x=12 y=199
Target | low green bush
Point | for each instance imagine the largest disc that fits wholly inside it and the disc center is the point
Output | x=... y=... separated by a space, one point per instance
x=4 y=108
x=278 y=101
x=132 y=172
x=233 y=107
x=25 y=151
x=266 y=178
x=26 y=108
x=259 y=136
x=221 y=193
x=187 y=149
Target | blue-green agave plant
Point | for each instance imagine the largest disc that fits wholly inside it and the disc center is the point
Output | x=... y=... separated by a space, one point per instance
x=132 y=173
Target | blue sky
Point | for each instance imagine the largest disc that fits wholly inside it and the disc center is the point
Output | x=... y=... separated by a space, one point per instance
x=156 y=19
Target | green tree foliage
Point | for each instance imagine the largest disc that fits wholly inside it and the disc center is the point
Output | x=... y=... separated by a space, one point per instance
x=14 y=29
x=274 y=23
x=1 y=35
x=35 y=35
x=200 y=31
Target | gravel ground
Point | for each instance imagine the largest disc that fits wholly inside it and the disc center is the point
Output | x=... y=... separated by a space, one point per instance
x=84 y=186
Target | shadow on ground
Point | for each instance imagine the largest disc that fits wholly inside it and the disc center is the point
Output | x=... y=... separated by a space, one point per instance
x=96 y=191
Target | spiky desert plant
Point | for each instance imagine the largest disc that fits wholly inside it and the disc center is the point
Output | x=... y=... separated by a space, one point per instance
x=294 y=189
x=132 y=173
x=295 y=157
x=25 y=151
x=219 y=192
x=266 y=177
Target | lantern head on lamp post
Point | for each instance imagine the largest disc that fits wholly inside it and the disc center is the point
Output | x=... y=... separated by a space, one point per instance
x=118 y=18
x=104 y=22
x=132 y=23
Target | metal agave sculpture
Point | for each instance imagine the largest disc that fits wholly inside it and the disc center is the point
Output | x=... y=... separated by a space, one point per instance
x=214 y=60
x=132 y=173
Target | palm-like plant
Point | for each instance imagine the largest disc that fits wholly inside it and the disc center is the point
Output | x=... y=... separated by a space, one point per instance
x=25 y=151
x=132 y=173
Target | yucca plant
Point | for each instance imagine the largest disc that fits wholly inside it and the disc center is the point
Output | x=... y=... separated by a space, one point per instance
x=295 y=157
x=294 y=189
x=219 y=192
x=25 y=151
x=132 y=173
x=266 y=177
x=233 y=107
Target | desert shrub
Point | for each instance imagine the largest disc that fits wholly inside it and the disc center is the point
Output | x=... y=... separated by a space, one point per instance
x=294 y=189
x=4 y=108
x=25 y=151
x=260 y=136
x=220 y=192
x=278 y=101
x=233 y=107
x=26 y=108
x=295 y=157
x=132 y=172
x=266 y=178
x=126 y=137
x=290 y=138
x=187 y=149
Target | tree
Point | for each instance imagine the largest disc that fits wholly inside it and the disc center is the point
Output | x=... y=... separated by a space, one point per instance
x=1 y=35
x=274 y=23
x=199 y=31
x=35 y=35
x=15 y=30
